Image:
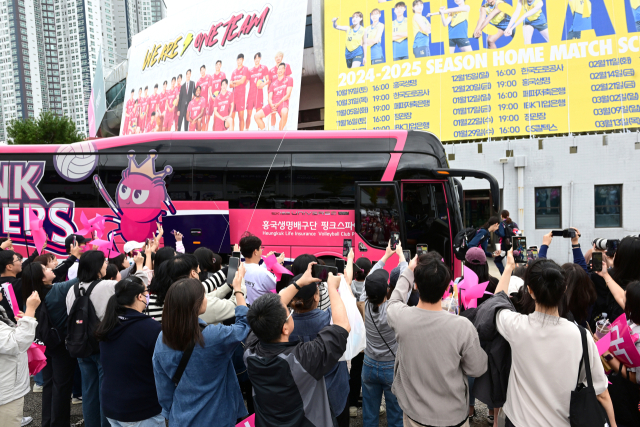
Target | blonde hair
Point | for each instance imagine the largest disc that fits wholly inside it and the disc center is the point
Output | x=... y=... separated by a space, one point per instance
x=361 y=18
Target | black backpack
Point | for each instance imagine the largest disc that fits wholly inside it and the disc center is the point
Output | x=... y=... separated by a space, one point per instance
x=82 y=322
x=461 y=242
x=46 y=331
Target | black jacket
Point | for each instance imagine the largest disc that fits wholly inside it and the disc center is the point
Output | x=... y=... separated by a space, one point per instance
x=491 y=387
x=17 y=288
x=186 y=93
x=128 y=390
x=605 y=302
x=63 y=268
x=288 y=378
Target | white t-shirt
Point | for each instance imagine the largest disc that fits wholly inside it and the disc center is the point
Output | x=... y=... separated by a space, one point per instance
x=546 y=353
x=258 y=280
x=73 y=271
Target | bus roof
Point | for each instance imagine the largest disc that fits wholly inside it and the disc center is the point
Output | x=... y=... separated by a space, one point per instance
x=254 y=142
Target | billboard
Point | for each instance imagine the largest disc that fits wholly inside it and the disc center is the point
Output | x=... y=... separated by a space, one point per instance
x=469 y=69
x=229 y=67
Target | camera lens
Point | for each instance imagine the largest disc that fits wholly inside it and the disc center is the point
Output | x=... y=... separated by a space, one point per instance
x=600 y=244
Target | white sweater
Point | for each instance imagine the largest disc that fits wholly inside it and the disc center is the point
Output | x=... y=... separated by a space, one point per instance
x=14 y=362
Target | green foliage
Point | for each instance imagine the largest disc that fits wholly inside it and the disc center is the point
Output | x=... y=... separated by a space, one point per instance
x=48 y=128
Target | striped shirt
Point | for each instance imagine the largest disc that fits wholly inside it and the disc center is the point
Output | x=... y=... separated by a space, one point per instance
x=324 y=304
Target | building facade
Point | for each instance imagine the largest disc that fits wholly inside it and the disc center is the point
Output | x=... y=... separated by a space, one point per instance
x=49 y=48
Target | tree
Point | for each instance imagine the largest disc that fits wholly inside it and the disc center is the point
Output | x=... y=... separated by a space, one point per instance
x=48 y=128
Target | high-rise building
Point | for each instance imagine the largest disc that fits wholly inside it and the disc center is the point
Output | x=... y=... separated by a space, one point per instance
x=49 y=48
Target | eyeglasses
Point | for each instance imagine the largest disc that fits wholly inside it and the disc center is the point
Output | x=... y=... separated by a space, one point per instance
x=290 y=314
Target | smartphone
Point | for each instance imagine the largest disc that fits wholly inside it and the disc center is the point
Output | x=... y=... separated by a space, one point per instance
x=234 y=263
x=395 y=239
x=569 y=233
x=74 y=240
x=340 y=264
x=612 y=247
x=532 y=254
x=520 y=250
x=557 y=233
x=322 y=271
x=235 y=254
x=173 y=232
x=277 y=254
x=346 y=246
x=407 y=255
x=146 y=242
x=596 y=261
x=422 y=248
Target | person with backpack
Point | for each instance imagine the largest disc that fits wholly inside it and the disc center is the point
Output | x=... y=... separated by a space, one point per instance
x=51 y=330
x=192 y=363
x=505 y=231
x=127 y=340
x=483 y=235
x=86 y=305
x=15 y=340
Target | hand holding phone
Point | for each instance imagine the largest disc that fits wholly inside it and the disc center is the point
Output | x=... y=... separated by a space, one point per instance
x=340 y=265
x=346 y=247
x=236 y=254
x=596 y=261
x=322 y=272
x=520 y=250
x=234 y=263
x=395 y=239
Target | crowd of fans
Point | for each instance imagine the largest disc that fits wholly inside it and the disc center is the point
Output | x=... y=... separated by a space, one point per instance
x=161 y=335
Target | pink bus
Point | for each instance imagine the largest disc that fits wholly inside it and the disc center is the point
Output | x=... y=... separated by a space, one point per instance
x=300 y=192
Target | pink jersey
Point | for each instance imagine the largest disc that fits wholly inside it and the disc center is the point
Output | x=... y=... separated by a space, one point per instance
x=162 y=101
x=279 y=88
x=216 y=82
x=223 y=105
x=144 y=104
x=236 y=76
x=151 y=124
x=255 y=74
x=273 y=72
x=171 y=96
x=130 y=104
x=204 y=83
x=153 y=103
x=195 y=107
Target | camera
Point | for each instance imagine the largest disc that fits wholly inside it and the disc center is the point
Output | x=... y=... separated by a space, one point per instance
x=608 y=245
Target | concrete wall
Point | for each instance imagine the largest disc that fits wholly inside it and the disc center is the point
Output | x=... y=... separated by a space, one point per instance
x=618 y=162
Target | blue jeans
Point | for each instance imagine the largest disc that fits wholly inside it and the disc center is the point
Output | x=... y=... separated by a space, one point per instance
x=157 y=421
x=91 y=370
x=377 y=377
x=38 y=379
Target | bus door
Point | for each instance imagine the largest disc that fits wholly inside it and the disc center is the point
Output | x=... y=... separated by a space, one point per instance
x=427 y=217
x=378 y=215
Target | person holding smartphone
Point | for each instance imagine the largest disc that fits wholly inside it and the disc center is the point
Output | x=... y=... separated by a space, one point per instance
x=505 y=231
x=258 y=279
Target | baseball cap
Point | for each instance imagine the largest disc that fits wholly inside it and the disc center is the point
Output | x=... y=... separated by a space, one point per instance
x=132 y=245
x=305 y=292
x=80 y=240
x=393 y=277
x=476 y=256
x=377 y=283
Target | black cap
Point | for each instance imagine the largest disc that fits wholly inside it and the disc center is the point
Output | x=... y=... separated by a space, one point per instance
x=69 y=241
x=377 y=283
x=305 y=292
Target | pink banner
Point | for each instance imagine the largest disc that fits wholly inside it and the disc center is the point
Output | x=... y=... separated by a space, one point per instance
x=622 y=345
x=8 y=290
x=37 y=359
x=249 y=422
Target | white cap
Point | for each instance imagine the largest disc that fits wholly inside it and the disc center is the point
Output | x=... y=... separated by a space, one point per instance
x=132 y=245
x=515 y=283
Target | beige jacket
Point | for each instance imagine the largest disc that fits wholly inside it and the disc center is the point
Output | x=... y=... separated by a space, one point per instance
x=14 y=362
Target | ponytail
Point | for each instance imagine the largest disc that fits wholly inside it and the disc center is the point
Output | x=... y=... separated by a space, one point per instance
x=125 y=295
x=505 y=214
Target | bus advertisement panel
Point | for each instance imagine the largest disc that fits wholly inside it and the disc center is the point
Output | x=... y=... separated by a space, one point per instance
x=235 y=67
x=469 y=69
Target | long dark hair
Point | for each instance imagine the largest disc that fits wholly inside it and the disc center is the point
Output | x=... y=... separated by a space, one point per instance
x=180 y=314
x=626 y=267
x=33 y=280
x=118 y=261
x=632 y=304
x=178 y=267
x=491 y=221
x=126 y=292
x=580 y=293
x=90 y=266
x=505 y=214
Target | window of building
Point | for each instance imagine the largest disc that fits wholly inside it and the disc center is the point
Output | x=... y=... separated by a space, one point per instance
x=548 y=207
x=608 y=206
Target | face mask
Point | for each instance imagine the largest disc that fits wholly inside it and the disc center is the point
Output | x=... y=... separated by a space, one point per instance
x=147 y=297
x=130 y=260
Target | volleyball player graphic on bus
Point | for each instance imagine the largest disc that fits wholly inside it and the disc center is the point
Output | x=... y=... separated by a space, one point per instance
x=141 y=198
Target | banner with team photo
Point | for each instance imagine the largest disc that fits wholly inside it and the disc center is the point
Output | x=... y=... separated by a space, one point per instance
x=217 y=66
x=470 y=69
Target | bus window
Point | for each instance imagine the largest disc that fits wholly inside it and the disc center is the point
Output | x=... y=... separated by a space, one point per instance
x=327 y=181
x=426 y=217
x=208 y=177
x=379 y=213
x=179 y=182
x=52 y=185
x=239 y=179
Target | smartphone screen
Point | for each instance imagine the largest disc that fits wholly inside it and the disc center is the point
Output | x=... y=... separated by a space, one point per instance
x=596 y=261
x=395 y=239
x=407 y=255
x=346 y=246
x=322 y=271
x=234 y=263
x=422 y=248
x=235 y=254
x=340 y=264
x=520 y=250
x=557 y=233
